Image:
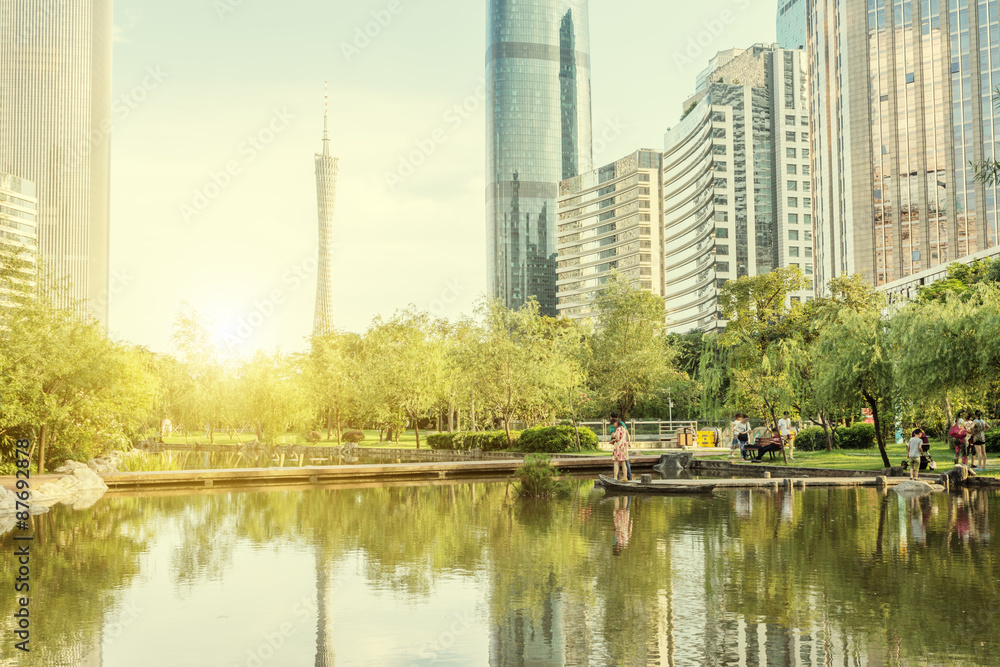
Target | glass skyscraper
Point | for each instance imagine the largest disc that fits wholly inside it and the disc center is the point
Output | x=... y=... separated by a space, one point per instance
x=538 y=133
x=55 y=130
x=902 y=104
x=792 y=24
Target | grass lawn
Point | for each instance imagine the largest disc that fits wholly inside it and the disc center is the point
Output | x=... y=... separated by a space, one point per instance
x=870 y=459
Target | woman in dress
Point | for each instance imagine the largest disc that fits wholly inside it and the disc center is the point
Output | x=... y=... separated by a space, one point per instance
x=619 y=446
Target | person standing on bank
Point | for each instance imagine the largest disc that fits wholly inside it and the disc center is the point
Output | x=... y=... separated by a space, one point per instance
x=741 y=435
x=978 y=437
x=619 y=447
x=785 y=429
x=914 y=450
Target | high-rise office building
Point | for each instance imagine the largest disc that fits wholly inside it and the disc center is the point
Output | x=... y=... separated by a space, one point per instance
x=327 y=168
x=18 y=227
x=902 y=104
x=538 y=133
x=737 y=197
x=792 y=24
x=55 y=122
x=609 y=220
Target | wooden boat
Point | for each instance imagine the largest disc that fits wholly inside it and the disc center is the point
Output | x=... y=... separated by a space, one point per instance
x=660 y=486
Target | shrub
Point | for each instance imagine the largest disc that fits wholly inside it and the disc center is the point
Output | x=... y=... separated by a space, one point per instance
x=537 y=478
x=812 y=439
x=555 y=439
x=488 y=441
x=314 y=437
x=858 y=436
x=993 y=441
x=441 y=441
x=353 y=436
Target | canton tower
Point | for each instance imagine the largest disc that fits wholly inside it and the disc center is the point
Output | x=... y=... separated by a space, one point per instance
x=326 y=196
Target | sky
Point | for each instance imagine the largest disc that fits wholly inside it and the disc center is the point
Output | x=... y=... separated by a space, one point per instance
x=218 y=110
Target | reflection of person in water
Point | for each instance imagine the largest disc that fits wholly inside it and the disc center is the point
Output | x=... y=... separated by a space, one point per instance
x=920 y=515
x=623 y=525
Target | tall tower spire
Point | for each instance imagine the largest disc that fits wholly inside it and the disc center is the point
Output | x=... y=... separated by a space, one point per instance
x=327 y=168
x=326 y=119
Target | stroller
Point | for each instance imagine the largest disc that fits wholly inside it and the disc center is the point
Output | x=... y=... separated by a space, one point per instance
x=927 y=461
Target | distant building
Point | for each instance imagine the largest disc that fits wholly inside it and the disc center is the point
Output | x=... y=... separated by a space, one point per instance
x=327 y=168
x=55 y=130
x=538 y=133
x=902 y=104
x=609 y=220
x=19 y=224
x=737 y=197
x=792 y=24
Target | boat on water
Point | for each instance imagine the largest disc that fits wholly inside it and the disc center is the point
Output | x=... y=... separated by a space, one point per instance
x=659 y=486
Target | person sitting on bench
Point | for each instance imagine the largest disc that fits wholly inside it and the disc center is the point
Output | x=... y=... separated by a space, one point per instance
x=769 y=445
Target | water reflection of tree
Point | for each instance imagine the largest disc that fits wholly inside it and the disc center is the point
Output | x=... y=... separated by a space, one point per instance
x=80 y=561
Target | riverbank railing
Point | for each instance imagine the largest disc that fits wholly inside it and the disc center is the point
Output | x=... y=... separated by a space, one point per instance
x=647 y=433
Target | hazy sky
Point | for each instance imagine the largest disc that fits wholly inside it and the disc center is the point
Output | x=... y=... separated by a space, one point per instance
x=219 y=109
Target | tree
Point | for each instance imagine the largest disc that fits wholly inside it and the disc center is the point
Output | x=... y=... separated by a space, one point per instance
x=271 y=395
x=631 y=357
x=762 y=339
x=988 y=171
x=202 y=397
x=333 y=375
x=854 y=362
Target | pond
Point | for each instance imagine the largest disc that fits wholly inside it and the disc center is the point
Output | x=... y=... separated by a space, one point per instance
x=465 y=574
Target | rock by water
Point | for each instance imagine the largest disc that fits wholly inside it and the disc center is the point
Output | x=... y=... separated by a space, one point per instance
x=913 y=487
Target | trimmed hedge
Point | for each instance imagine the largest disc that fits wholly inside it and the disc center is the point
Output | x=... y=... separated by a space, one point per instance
x=488 y=441
x=555 y=439
x=993 y=441
x=812 y=439
x=353 y=436
x=857 y=436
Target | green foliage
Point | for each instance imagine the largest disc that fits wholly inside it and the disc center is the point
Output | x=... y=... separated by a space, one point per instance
x=488 y=441
x=631 y=357
x=313 y=437
x=812 y=439
x=136 y=460
x=993 y=441
x=856 y=436
x=354 y=436
x=556 y=439
x=960 y=281
x=537 y=478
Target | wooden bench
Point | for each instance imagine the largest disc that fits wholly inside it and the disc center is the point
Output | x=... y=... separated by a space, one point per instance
x=760 y=442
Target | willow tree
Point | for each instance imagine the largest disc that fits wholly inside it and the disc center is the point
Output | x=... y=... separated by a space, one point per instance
x=333 y=376
x=762 y=337
x=854 y=363
x=630 y=356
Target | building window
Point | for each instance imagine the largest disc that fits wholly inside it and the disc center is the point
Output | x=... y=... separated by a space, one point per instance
x=809 y=251
x=809 y=269
x=719 y=166
x=790 y=152
x=721 y=233
x=792 y=185
x=719 y=149
x=644 y=177
x=807 y=219
x=807 y=202
x=793 y=251
x=807 y=185
x=643 y=203
x=722 y=216
x=722 y=267
x=790 y=136
x=789 y=120
x=721 y=200
x=791 y=169
x=644 y=191
x=793 y=235
x=805 y=170
x=719 y=116
x=644 y=217
x=721 y=183
x=720 y=282
x=722 y=250
x=805 y=136
x=805 y=153
x=719 y=132
x=793 y=218
x=793 y=202
x=807 y=235
x=805 y=120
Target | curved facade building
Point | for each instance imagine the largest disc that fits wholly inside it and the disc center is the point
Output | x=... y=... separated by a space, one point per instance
x=55 y=130
x=538 y=133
